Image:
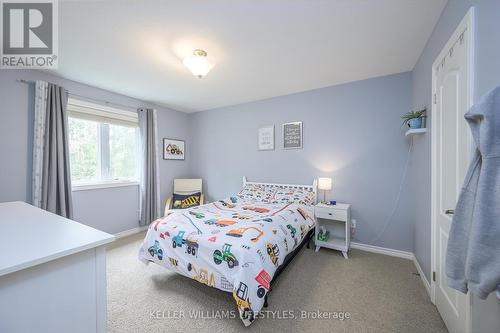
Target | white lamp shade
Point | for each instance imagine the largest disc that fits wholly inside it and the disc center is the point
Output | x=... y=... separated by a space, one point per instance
x=324 y=184
x=198 y=65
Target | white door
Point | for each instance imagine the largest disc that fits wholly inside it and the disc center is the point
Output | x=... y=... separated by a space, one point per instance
x=451 y=152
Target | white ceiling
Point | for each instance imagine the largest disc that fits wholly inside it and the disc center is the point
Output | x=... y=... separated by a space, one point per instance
x=261 y=48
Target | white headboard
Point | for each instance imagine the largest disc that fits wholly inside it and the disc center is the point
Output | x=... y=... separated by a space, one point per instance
x=314 y=186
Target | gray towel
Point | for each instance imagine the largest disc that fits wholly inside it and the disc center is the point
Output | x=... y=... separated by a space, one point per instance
x=473 y=254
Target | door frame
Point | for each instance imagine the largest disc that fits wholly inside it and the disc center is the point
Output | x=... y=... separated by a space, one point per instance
x=467 y=25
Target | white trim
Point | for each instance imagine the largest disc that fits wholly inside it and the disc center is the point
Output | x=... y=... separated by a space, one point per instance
x=101 y=185
x=314 y=186
x=467 y=25
x=426 y=283
x=383 y=250
x=130 y=232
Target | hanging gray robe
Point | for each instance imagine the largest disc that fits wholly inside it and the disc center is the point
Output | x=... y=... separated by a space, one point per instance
x=473 y=254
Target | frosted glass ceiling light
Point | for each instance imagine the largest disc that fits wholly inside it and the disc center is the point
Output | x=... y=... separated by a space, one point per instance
x=198 y=63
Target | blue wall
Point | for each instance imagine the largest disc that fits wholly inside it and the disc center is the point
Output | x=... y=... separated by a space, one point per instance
x=112 y=209
x=352 y=132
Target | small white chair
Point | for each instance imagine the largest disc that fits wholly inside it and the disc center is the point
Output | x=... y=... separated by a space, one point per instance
x=185 y=187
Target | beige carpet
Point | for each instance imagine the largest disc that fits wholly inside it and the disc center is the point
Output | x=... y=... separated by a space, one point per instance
x=381 y=293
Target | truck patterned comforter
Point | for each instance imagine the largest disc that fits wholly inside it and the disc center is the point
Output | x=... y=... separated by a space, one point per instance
x=234 y=245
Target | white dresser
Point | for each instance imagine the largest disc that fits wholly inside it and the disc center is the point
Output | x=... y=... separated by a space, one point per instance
x=52 y=272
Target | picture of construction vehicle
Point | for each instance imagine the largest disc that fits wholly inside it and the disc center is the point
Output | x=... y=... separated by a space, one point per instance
x=302 y=231
x=174 y=149
x=191 y=246
x=178 y=239
x=303 y=213
x=155 y=250
x=227 y=204
x=265 y=219
x=220 y=223
x=202 y=275
x=239 y=233
x=293 y=231
x=264 y=281
x=273 y=251
x=241 y=297
x=256 y=209
x=197 y=215
x=241 y=217
x=226 y=256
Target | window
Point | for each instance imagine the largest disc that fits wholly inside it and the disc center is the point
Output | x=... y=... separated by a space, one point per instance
x=103 y=144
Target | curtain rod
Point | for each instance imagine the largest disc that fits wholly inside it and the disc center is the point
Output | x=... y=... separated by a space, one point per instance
x=85 y=97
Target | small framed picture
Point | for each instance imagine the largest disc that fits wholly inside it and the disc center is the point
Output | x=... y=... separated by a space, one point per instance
x=292 y=135
x=173 y=149
x=266 y=138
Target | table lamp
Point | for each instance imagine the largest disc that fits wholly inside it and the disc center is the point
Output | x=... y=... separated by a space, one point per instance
x=324 y=184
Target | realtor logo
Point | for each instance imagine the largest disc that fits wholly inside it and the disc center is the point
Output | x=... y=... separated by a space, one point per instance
x=29 y=34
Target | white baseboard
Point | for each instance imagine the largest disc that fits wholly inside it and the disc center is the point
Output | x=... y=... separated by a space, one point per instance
x=426 y=283
x=130 y=232
x=383 y=250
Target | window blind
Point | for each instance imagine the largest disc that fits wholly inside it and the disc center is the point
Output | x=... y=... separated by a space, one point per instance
x=101 y=113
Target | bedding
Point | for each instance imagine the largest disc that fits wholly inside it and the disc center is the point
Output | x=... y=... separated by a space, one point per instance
x=234 y=245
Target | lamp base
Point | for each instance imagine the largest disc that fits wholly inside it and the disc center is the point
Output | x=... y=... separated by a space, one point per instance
x=324 y=198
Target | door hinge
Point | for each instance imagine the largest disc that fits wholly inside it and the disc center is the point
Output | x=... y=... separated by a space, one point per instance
x=434 y=276
x=435 y=99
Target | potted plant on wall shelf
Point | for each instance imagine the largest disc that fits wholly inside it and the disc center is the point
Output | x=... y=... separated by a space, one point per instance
x=414 y=118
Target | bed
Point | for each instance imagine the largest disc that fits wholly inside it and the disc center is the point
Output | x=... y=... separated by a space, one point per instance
x=239 y=244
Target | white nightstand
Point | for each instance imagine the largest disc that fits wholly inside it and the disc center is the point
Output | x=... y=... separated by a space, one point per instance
x=337 y=220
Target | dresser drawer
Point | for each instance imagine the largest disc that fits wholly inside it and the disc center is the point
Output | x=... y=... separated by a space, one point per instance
x=331 y=214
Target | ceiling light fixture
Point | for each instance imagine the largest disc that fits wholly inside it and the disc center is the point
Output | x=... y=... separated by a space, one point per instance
x=198 y=63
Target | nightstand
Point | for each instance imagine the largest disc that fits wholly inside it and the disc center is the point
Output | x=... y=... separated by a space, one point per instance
x=336 y=219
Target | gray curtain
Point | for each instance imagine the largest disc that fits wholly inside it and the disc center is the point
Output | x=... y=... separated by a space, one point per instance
x=150 y=182
x=51 y=183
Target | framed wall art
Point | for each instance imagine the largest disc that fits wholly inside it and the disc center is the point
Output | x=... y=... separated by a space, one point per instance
x=292 y=135
x=266 y=138
x=174 y=149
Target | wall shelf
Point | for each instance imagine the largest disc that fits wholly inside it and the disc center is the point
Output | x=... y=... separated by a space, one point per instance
x=415 y=131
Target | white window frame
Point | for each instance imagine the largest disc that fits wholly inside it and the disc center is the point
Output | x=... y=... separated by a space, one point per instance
x=98 y=111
